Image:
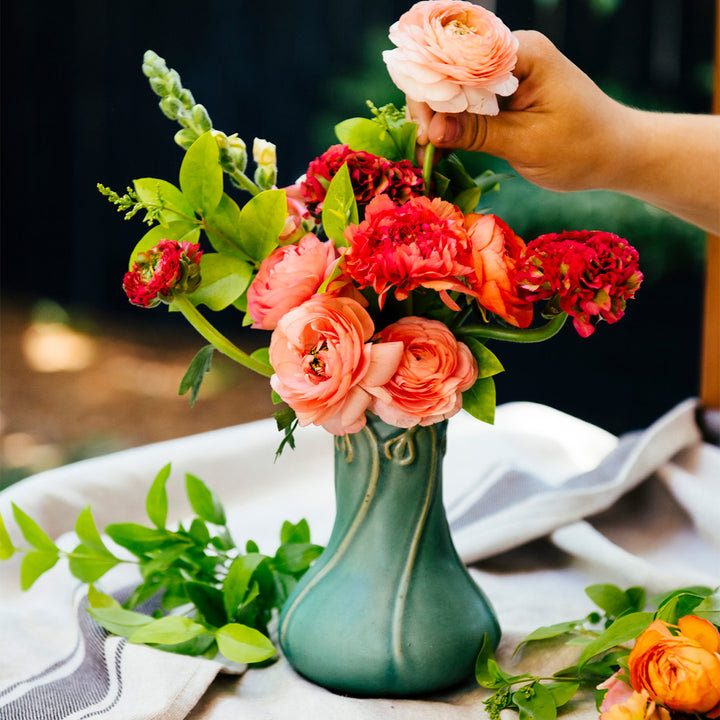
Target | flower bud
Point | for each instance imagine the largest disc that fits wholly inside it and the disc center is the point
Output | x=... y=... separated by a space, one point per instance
x=173 y=83
x=200 y=119
x=233 y=150
x=153 y=65
x=158 y=86
x=185 y=138
x=264 y=153
x=265 y=176
x=171 y=106
x=186 y=97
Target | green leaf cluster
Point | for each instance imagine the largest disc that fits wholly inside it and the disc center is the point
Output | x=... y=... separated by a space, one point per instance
x=212 y=596
x=606 y=638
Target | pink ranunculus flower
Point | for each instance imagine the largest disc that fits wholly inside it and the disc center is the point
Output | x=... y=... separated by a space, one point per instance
x=326 y=366
x=299 y=221
x=434 y=371
x=287 y=278
x=454 y=55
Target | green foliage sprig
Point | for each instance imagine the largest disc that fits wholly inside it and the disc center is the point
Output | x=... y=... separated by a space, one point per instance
x=213 y=596
x=605 y=637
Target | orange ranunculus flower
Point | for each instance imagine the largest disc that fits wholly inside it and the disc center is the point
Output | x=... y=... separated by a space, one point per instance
x=679 y=666
x=496 y=253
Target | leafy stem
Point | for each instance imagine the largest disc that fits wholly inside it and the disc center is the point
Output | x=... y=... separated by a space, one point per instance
x=512 y=334
x=217 y=339
x=428 y=166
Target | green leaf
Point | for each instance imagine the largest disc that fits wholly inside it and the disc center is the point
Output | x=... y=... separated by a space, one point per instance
x=91 y=565
x=139 y=539
x=243 y=644
x=609 y=598
x=299 y=533
x=181 y=230
x=204 y=501
x=487 y=362
x=262 y=355
x=479 y=400
x=195 y=374
x=483 y=675
x=6 y=547
x=709 y=608
x=32 y=532
x=119 y=621
x=223 y=228
x=169 y=630
x=201 y=176
x=260 y=223
x=296 y=557
x=563 y=692
x=625 y=628
x=156 y=502
x=224 y=279
x=98 y=599
x=160 y=192
x=89 y=535
x=547 y=632
x=369 y=136
x=537 y=701
x=468 y=199
x=237 y=581
x=209 y=602
x=34 y=564
x=339 y=207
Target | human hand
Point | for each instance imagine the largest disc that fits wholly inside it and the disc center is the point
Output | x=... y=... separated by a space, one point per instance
x=558 y=129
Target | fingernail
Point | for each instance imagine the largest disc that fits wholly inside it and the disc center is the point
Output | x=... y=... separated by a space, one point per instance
x=452 y=130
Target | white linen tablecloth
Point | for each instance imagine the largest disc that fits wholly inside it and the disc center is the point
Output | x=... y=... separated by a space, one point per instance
x=541 y=504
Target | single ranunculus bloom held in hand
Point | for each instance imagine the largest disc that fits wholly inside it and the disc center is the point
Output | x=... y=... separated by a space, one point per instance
x=453 y=55
x=325 y=365
x=288 y=277
x=679 y=666
x=434 y=371
x=167 y=269
x=589 y=274
x=421 y=243
x=496 y=255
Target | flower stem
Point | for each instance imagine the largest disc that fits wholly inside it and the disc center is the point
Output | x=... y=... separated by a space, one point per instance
x=242 y=180
x=511 y=334
x=428 y=166
x=217 y=339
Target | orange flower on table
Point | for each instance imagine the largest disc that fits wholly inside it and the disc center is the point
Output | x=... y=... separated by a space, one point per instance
x=679 y=666
x=496 y=255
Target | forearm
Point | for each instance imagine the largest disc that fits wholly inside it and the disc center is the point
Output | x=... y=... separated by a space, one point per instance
x=671 y=161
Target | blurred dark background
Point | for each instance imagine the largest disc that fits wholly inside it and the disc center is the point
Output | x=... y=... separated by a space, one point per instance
x=76 y=110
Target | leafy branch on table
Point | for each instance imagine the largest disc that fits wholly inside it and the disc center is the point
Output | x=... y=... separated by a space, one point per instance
x=212 y=596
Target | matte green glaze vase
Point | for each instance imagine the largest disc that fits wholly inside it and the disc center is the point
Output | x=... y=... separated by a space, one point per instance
x=388 y=609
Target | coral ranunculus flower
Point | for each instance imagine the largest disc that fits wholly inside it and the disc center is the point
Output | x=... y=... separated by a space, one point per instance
x=288 y=277
x=434 y=371
x=159 y=274
x=592 y=273
x=325 y=364
x=370 y=176
x=453 y=55
x=679 y=667
x=496 y=255
x=420 y=243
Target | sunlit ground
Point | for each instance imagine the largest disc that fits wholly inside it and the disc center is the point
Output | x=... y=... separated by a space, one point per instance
x=70 y=389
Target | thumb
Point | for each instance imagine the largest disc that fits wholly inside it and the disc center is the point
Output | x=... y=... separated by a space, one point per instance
x=464 y=131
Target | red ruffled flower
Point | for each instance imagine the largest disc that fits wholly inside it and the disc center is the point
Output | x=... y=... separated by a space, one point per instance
x=420 y=243
x=166 y=270
x=590 y=274
x=370 y=176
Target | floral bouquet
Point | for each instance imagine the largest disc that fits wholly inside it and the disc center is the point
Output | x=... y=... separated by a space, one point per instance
x=380 y=280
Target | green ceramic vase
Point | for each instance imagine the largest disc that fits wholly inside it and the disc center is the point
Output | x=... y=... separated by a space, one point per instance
x=388 y=609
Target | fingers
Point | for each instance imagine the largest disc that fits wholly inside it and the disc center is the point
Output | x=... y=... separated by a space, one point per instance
x=464 y=131
x=420 y=113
